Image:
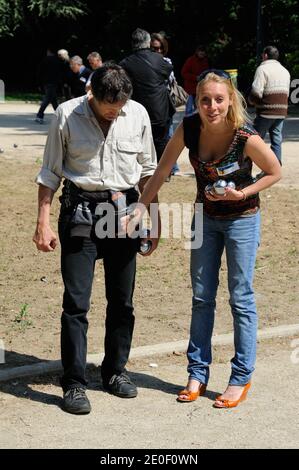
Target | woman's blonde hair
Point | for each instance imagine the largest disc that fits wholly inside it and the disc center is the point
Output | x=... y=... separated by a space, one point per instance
x=237 y=112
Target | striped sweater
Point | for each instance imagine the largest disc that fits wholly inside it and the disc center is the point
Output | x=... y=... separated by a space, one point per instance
x=270 y=90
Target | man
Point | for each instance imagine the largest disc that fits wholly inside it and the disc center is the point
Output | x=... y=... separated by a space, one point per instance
x=191 y=69
x=101 y=143
x=49 y=77
x=80 y=76
x=95 y=62
x=269 y=94
x=149 y=74
x=67 y=74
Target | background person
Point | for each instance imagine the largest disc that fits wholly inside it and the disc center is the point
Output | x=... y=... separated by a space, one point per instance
x=50 y=78
x=191 y=69
x=269 y=94
x=80 y=76
x=63 y=55
x=159 y=44
x=95 y=62
x=149 y=73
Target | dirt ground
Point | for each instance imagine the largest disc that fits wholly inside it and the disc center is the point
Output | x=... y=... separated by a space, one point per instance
x=31 y=417
x=30 y=284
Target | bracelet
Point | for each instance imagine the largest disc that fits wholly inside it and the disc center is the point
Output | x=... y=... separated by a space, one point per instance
x=244 y=195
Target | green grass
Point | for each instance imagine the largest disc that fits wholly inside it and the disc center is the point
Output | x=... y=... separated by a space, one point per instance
x=22 y=318
x=18 y=96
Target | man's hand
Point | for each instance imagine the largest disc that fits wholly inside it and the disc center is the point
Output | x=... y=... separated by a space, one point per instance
x=44 y=238
x=130 y=222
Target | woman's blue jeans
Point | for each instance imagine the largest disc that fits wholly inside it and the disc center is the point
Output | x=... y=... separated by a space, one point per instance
x=240 y=238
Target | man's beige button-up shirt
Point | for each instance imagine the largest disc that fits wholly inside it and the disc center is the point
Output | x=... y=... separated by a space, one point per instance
x=76 y=148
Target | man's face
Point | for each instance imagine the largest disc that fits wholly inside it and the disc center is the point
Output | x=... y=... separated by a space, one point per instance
x=105 y=110
x=95 y=63
x=75 y=67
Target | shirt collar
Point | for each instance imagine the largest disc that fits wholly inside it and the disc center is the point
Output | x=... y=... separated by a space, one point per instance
x=267 y=61
x=83 y=108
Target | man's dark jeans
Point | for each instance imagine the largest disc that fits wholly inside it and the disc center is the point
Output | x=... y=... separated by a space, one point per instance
x=160 y=137
x=50 y=96
x=78 y=257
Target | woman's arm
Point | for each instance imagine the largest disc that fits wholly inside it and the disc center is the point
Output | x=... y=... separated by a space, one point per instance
x=170 y=155
x=261 y=154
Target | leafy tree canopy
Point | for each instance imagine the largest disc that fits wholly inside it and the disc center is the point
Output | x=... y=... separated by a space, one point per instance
x=13 y=13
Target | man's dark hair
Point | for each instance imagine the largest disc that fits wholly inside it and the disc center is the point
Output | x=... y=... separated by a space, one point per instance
x=141 y=39
x=272 y=52
x=111 y=83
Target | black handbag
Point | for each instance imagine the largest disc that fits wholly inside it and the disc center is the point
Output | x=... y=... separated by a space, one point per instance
x=177 y=94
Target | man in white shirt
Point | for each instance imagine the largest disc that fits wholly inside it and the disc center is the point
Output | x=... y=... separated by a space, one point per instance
x=269 y=94
x=101 y=143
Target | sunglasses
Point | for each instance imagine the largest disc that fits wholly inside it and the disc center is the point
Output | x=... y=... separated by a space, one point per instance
x=156 y=48
x=219 y=72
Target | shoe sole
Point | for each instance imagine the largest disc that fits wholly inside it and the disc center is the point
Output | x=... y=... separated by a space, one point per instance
x=76 y=412
x=122 y=395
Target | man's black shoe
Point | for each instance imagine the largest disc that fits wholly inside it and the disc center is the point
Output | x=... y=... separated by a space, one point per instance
x=121 y=386
x=76 y=402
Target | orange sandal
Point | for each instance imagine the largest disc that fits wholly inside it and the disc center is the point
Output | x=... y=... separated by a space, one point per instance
x=230 y=403
x=191 y=396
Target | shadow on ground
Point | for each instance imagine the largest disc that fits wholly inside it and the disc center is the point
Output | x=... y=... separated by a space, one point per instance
x=24 y=388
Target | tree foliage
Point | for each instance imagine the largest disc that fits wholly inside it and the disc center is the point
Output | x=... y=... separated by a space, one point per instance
x=228 y=28
x=13 y=13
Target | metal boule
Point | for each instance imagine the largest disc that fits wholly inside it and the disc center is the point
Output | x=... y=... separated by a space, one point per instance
x=145 y=245
x=219 y=187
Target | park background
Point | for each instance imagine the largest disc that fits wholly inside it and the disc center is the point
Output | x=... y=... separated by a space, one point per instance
x=234 y=32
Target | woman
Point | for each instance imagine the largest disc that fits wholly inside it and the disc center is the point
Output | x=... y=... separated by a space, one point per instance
x=221 y=142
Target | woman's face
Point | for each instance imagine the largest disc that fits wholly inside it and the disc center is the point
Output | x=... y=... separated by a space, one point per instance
x=156 y=46
x=213 y=102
